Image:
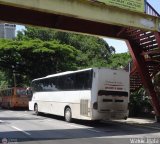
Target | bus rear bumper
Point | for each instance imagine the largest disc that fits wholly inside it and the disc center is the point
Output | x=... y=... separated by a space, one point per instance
x=111 y=115
x=31 y=105
x=119 y=115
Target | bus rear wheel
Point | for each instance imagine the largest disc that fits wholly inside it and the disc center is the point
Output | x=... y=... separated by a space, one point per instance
x=36 y=109
x=68 y=114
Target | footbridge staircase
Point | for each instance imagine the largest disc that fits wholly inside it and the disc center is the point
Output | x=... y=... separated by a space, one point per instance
x=144 y=47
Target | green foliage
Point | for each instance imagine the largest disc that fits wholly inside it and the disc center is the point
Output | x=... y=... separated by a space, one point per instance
x=31 y=33
x=94 y=51
x=35 y=58
x=140 y=104
x=3 y=80
x=119 y=60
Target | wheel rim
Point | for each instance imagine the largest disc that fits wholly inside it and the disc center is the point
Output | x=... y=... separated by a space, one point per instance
x=68 y=115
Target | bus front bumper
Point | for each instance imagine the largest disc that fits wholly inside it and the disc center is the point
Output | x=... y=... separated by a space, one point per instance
x=31 y=105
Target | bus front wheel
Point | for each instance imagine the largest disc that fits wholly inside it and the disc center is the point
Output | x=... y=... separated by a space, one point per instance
x=36 y=109
x=68 y=114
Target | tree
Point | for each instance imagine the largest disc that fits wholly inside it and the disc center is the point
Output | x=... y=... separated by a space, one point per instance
x=3 y=80
x=35 y=58
x=140 y=104
x=119 y=60
x=30 y=33
x=94 y=51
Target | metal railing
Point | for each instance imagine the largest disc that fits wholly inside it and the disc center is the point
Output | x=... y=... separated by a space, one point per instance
x=150 y=10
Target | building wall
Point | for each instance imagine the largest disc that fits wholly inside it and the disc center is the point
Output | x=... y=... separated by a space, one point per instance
x=7 y=30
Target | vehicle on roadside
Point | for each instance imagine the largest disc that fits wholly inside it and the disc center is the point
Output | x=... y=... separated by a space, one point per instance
x=15 y=97
x=88 y=94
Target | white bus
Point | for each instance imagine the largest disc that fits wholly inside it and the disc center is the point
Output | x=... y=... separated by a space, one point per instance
x=88 y=94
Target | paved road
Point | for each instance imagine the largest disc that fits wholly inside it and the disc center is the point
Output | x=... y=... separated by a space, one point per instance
x=25 y=127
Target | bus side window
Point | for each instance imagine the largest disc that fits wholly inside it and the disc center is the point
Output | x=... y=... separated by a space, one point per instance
x=69 y=82
x=54 y=83
x=83 y=80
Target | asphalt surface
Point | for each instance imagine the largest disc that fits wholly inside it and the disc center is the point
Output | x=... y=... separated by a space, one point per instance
x=24 y=127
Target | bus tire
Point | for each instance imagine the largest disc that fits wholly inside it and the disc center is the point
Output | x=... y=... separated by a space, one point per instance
x=125 y=118
x=68 y=114
x=36 y=109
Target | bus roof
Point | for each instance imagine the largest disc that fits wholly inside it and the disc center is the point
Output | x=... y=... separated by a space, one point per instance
x=70 y=72
x=62 y=73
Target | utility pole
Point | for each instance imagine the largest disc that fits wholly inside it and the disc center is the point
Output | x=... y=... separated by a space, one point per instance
x=14 y=76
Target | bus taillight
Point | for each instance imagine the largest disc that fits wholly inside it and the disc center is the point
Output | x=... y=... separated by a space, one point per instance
x=95 y=105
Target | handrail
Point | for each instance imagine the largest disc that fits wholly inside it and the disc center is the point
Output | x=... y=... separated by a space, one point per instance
x=150 y=10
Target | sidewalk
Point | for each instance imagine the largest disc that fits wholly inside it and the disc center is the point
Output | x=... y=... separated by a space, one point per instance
x=143 y=122
x=140 y=120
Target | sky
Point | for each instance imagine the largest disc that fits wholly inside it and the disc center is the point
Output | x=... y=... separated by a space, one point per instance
x=119 y=45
